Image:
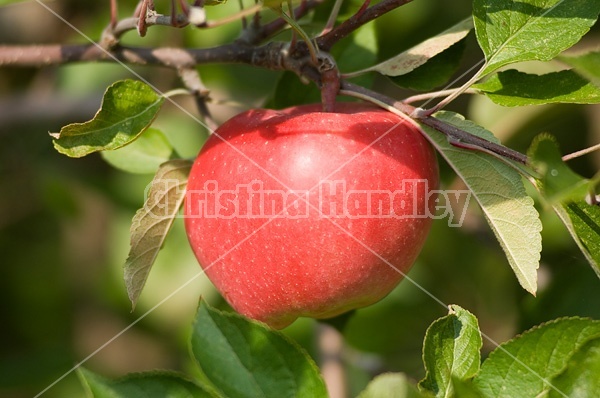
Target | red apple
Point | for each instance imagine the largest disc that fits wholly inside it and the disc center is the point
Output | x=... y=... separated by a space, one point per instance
x=297 y=212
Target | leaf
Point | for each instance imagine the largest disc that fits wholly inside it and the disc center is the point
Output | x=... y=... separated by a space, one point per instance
x=500 y=192
x=143 y=155
x=128 y=108
x=557 y=182
x=514 y=88
x=391 y=385
x=451 y=350
x=244 y=358
x=291 y=91
x=511 y=31
x=565 y=190
x=152 y=222
x=359 y=51
x=418 y=55
x=581 y=377
x=465 y=389
x=524 y=366
x=436 y=72
x=583 y=223
x=588 y=65
x=157 y=384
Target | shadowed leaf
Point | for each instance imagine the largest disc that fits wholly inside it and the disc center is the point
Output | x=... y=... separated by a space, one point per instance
x=152 y=222
x=514 y=88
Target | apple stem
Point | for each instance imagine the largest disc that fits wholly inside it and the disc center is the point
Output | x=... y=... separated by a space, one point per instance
x=330 y=81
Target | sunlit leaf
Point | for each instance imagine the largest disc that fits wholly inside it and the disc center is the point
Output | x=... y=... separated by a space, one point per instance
x=152 y=222
x=418 y=55
x=499 y=190
x=128 y=108
x=143 y=155
x=512 y=31
x=244 y=358
x=514 y=88
x=451 y=350
x=524 y=366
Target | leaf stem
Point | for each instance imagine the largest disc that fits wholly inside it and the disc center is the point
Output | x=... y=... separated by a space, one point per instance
x=462 y=89
x=312 y=48
x=333 y=17
x=435 y=94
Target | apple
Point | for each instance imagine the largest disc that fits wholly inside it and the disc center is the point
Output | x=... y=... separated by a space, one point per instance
x=297 y=212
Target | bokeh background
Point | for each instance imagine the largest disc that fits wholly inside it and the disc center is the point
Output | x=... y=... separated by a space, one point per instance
x=64 y=223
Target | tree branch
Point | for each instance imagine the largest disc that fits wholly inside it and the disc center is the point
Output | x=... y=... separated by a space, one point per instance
x=267 y=56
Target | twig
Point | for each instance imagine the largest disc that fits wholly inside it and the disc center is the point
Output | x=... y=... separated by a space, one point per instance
x=326 y=41
x=114 y=14
x=191 y=79
x=577 y=154
x=456 y=136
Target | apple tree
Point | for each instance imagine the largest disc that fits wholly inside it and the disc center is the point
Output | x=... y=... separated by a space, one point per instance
x=207 y=131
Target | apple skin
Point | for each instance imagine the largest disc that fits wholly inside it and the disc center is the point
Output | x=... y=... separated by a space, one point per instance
x=325 y=258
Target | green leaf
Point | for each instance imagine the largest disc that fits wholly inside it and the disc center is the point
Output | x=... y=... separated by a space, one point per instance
x=499 y=190
x=524 y=366
x=565 y=190
x=152 y=222
x=391 y=385
x=588 y=65
x=514 y=88
x=581 y=378
x=583 y=223
x=143 y=155
x=557 y=182
x=436 y=72
x=359 y=51
x=128 y=108
x=451 y=350
x=291 y=91
x=511 y=31
x=244 y=358
x=465 y=388
x=158 y=384
x=418 y=55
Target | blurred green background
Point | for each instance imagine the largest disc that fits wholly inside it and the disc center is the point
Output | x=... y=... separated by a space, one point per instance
x=64 y=222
